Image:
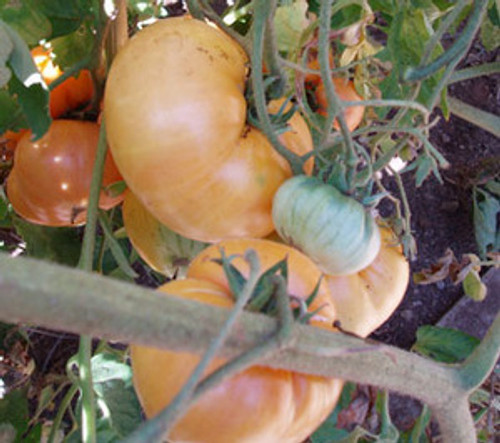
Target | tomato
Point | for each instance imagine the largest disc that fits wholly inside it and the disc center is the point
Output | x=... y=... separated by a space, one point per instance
x=175 y=118
x=366 y=299
x=259 y=404
x=72 y=93
x=333 y=229
x=345 y=90
x=313 y=63
x=160 y=247
x=50 y=180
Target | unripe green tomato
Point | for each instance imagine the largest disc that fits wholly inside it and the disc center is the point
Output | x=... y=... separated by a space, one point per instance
x=334 y=230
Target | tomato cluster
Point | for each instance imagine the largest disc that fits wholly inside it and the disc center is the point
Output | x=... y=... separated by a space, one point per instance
x=198 y=173
x=196 y=168
x=50 y=179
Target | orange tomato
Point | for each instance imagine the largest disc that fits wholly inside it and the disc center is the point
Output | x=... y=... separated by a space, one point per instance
x=72 y=93
x=366 y=299
x=183 y=146
x=312 y=79
x=50 y=180
x=259 y=404
x=346 y=92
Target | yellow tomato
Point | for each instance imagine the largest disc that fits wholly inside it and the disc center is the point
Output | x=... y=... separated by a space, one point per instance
x=259 y=404
x=366 y=299
x=175 y=117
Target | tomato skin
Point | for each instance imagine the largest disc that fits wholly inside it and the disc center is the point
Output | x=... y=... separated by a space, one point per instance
x=160 y=247
x=330 y=227
x=183 y=146
x=72 y=93
x=50 y=180
x=345 y=90
x=366 y=299
x=257 y=405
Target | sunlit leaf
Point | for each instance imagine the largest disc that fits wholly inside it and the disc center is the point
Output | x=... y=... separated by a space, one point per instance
x=444 y=344
x=117 y=401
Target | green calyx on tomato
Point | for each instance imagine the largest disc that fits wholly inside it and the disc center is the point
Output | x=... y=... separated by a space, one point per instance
x=333 y=229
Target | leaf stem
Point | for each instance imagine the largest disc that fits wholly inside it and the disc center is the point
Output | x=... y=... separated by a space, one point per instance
x=474 y=71
x=456 y=50
x=485 y=120
x=335 y=106
x=262 y=10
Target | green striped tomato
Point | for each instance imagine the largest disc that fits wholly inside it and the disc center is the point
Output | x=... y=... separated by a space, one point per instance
x=331 y=228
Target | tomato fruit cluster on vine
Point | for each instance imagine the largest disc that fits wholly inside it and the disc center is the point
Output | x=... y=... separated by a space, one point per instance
x=202 y=178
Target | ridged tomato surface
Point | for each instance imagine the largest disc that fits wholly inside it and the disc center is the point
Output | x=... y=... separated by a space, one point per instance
x=50 y=181
x=259 y=404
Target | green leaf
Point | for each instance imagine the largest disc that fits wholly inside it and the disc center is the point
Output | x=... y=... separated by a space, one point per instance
x=444 y=344
x=27 y=19
x=61 y=245
x=27 y=84
x=34 y=104
x=290 y=21
x=9 y=112
x=65 y=16
x=14 y=417
x=473 y=286
x=72 y=48
x=485 y=212
x=117 y=401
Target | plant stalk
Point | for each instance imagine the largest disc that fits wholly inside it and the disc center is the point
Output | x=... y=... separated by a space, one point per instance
x=66 y=299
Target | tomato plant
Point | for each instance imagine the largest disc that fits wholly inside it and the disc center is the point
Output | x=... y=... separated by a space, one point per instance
x=183 y=146
x=335 y=230
x=50 y=180
x=258 y=404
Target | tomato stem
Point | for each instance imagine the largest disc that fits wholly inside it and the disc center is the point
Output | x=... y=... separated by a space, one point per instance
x=33 y=291
x=335 y=109
x=262 y=10
x=456 y=51
x=158 y=427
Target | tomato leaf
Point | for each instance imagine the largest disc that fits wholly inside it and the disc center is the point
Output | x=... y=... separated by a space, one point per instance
x=117 y=401
x=485 y=214
x=290 y=21
x=27 y=19
x=65 y=16
x=72 y=48
x=27 y=84
x=61 y=245
x=14 y=418
x=445 y=345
